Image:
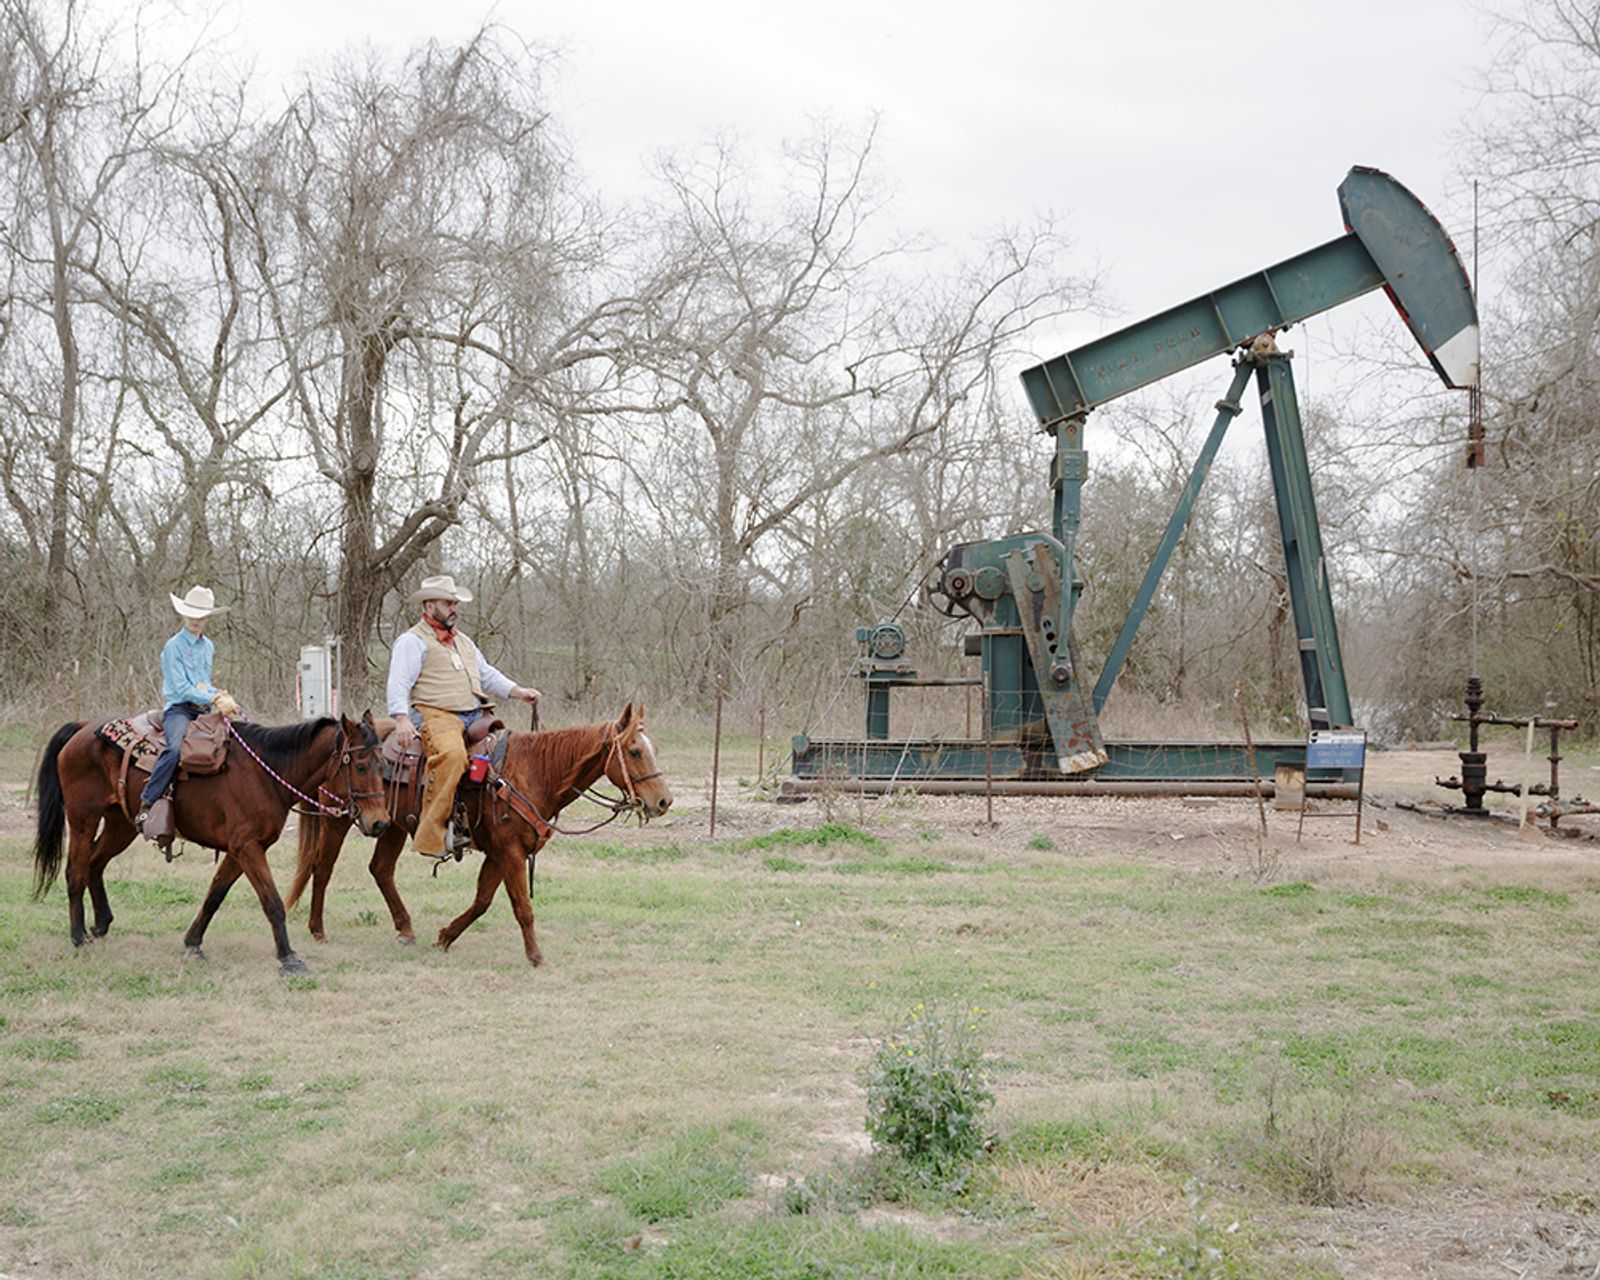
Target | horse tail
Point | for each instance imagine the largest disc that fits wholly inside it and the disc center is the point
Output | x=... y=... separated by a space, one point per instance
x=308 y=855
x=52 y=813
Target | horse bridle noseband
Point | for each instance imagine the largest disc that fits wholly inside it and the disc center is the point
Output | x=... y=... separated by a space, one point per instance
x=351 y=809
x=633 y=781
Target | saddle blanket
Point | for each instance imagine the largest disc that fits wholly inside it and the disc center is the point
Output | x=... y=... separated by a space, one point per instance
x=140 y=734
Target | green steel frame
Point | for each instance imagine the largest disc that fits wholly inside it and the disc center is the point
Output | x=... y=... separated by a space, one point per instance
x=1041 y=712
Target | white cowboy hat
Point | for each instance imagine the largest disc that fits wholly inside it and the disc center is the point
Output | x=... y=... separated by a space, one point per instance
x=442 y=587
x=198 y=603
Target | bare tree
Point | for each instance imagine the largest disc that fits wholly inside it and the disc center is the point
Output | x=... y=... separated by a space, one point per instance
x=421 y=249
x=798 y=347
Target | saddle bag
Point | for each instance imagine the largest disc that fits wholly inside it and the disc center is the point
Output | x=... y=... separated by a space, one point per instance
x=204 y=749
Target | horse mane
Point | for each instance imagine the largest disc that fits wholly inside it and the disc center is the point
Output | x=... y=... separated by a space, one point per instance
x=280 y=746
x=556 y=753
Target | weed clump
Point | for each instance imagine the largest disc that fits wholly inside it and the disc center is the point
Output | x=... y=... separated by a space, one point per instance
x=927 y=1093
x=1202 y=1253
x=1321 y=1145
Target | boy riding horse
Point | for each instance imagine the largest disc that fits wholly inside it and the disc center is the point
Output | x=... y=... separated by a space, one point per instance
x=186 y=692
x=437 y=682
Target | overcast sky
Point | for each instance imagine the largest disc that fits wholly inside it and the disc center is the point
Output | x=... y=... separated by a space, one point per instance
x=1182 y=144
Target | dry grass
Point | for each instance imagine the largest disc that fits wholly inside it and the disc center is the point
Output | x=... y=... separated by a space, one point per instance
x=415 y=1114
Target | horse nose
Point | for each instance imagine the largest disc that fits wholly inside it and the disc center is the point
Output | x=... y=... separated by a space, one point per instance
x=665 y=802
x=378 y=828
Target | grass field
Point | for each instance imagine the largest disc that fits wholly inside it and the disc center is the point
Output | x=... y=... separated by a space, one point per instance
x=1384 y=1062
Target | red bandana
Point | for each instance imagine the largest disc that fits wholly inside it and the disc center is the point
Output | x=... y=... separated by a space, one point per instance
x=447 y=635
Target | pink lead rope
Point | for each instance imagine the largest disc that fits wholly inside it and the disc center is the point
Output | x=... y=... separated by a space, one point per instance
x=280 y=779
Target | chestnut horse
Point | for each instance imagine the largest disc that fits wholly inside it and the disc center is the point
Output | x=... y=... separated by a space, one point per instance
x=239 y=811
x=545 y=772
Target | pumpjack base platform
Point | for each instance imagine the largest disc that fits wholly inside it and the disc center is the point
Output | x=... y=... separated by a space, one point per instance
x=954 y=766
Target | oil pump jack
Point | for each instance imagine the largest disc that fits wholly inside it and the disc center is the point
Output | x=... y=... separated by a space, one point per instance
x=1042 y=708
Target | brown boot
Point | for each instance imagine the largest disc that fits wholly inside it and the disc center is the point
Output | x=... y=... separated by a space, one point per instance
x=155 y=824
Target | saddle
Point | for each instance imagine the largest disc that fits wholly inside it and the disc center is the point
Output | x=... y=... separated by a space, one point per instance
x=487 y=736
x=203 y=751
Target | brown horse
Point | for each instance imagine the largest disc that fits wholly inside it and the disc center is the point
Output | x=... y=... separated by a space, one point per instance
x=545 y=772
x=239 y=811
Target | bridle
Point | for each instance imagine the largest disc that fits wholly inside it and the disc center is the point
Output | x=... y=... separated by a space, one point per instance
x=630 y=780
x=350 y=809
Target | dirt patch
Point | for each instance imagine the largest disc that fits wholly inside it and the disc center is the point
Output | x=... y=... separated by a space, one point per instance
x=1219 y=837
x=1466 y=1240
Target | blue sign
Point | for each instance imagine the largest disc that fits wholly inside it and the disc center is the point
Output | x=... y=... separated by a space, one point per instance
x=1337 y=749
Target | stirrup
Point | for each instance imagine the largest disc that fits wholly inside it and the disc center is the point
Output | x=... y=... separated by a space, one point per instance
x=457 y=839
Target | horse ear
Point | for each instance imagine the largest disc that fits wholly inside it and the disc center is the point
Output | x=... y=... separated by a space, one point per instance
x=625 y=718
x=639 y=712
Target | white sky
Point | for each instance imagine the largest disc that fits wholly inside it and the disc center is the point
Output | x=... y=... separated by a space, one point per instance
x=1182 y=144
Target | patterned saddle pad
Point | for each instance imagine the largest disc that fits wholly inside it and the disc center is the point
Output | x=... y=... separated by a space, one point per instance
x=140 y=734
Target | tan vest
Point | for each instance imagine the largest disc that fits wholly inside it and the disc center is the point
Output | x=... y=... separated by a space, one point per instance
x=441 y=682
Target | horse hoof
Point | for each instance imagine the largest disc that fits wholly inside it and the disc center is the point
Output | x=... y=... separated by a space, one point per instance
x=193 y=953
x=406 y=939
x=294 y=967
x=441 y=945
x=536 y=959
x=318 y=937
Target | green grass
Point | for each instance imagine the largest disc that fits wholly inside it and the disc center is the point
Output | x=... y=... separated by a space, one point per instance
x=788 y=1248
x=43 y=1048
x=697 y=1171
x=824 y=836
x=412 y=1112
x=646 y=855
x=81 y=1110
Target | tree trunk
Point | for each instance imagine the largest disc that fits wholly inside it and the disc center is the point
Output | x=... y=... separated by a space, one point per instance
x=362 y=583
x=66 y=423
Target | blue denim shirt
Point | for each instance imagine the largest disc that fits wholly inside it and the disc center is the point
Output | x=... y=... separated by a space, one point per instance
x=186 y=669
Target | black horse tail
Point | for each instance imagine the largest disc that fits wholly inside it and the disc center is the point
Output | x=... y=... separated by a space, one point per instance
x=309 y=855
x=52 y=813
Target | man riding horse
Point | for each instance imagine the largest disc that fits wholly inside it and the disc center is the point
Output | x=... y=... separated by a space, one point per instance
x=437 y=683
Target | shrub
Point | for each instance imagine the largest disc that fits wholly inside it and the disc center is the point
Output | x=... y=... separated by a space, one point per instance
x=927 y=1092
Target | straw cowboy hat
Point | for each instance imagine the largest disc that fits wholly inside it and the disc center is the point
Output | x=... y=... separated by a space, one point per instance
x=442 y=587
x=198 y=603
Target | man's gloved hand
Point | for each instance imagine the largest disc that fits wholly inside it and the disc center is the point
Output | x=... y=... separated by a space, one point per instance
x=224 y=702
